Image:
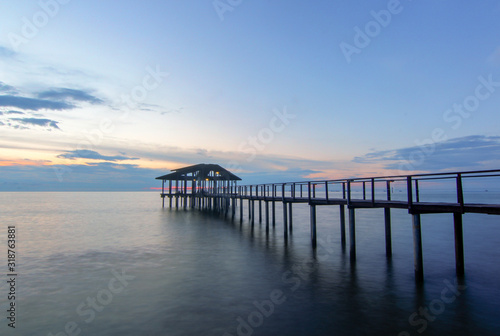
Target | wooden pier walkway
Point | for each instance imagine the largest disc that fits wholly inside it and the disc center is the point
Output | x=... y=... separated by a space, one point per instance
x=215 y=189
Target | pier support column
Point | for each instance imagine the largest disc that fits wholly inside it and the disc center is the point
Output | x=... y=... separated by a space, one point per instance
x=285 y=218
x=352 y=233
x=170 y=193
x=417 y=249
x=253 y=211
x=342 y=226
x=290 y=216
x=233 y=207
x=267 y=214
x=241 y=210
x=388 y=233
x=249 y=209
x=313 y=225
x=459 y=243
x=274 y=213
x=260 y=211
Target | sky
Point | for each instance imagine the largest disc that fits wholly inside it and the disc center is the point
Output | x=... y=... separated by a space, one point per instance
x=108 y=95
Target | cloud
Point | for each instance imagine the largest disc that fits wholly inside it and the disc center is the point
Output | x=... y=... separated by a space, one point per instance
x=33 y=104
x=7 y=88
x=65 y=93
x=89 y=154
x=51 y=99
x=6 y=52
x=36 y=122
x=156 y=108
x=475 y=152
x=203 y=152
x=288 y=175
x=176 y=110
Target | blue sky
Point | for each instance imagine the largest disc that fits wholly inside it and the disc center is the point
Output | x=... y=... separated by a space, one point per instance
x=106 y=95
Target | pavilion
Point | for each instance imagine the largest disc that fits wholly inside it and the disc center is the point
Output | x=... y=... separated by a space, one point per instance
x=197 y=181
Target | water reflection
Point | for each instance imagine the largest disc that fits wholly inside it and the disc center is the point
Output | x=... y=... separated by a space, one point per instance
x=330 y=292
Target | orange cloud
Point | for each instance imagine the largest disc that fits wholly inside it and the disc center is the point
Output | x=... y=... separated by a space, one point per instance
x=24 y=162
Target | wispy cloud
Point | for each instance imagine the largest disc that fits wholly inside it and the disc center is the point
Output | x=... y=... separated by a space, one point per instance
x=36 y=122
x=71 y=94
x=33 y=104
x=464 y=153
x=7 y=88
x=203 y=152
x=288 y=175
x=54 y=99
x=6 y=52
x=174 y=110
x=57 y=99
x=89 y=154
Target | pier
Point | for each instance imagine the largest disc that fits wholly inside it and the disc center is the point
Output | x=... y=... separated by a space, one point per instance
x=212 y=188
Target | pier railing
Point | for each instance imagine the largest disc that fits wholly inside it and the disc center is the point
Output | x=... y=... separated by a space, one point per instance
x=377 y=191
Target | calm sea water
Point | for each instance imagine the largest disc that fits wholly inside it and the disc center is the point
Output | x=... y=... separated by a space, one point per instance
x=119 y=264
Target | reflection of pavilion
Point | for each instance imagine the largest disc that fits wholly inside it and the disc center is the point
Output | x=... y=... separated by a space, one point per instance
x=194 y=182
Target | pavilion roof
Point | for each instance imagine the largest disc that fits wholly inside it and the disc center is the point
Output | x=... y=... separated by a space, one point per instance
x=199 y=172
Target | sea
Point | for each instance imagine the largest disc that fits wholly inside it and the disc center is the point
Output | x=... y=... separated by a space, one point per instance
x=117 y=263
